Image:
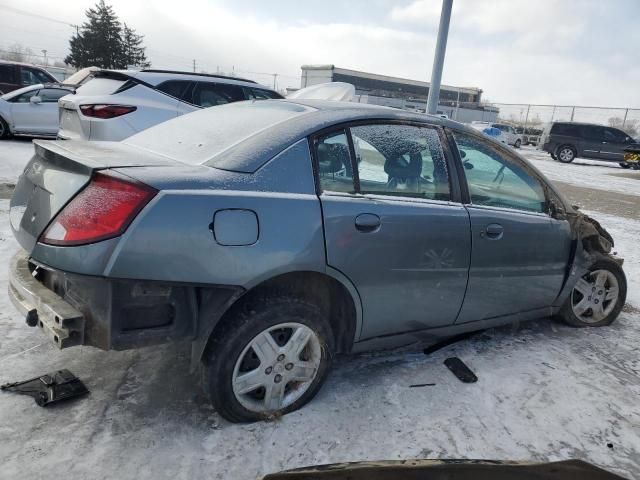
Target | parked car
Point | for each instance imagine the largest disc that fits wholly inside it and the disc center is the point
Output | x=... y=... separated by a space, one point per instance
x=31 y=110
x=509 y=135
x=530 y=136
x=245 y=230
x=565 y=141
x=15 y=75
x=113 y=105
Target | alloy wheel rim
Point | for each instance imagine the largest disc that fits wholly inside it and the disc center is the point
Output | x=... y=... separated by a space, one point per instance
x=595 y=296
x=566 y=154
x=276 y=367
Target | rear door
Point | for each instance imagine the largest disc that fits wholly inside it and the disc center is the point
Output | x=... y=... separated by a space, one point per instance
x=519 y=253
x=393 y=224
x=8 y=80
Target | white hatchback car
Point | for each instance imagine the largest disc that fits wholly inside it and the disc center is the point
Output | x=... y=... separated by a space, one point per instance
x=507 y=135
x=31 y=110
x=115 y=104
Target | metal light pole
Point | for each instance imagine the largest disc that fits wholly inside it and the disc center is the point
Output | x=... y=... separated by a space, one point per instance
x=438 y=60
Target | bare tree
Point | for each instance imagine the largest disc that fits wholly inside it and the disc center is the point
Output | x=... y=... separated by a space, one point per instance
x=18 y=53
x=630 y=127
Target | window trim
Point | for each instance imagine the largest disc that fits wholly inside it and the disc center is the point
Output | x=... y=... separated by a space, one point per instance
x=454 y=185
x=511 y=157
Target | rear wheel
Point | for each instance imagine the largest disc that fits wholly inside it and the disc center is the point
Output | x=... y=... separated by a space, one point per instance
x=269 y=359
x=518 y=143
x=624 y=165
x=566 y=153
x=4 y=129
x=598 y=297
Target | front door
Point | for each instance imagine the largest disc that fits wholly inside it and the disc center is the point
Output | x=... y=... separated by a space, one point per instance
x=519 y=253
x=391 y=225
x=613 y=144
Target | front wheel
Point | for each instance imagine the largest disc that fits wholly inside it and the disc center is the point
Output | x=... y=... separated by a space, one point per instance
x=4 y=129
x=518 y=143
x=598 y=297
x=269 y=359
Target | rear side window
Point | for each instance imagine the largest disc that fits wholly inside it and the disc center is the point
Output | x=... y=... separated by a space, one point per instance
x=260 y=94
x=7 y=73
x=334 y=162
x=567 y=129
x=175 y=88
x=207 y=94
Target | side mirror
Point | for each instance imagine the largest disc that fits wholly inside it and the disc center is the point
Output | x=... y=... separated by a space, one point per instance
x=35 y=100
x=463 y=154
x=468 y=166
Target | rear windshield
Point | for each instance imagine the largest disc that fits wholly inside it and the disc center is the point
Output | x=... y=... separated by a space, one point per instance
x=100 y=86
x=200 y=136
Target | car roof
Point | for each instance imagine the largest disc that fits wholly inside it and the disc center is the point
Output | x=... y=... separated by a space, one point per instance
x=195 y=135
x=155 y=77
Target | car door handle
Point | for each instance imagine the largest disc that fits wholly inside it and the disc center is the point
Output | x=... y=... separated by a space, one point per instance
x=494 y=231
x=367 y=222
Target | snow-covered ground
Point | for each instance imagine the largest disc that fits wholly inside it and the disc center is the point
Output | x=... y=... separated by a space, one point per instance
x=545 y=392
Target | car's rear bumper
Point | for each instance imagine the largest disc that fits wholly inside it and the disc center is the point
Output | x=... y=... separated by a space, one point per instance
x=60 y=320
x=107 y=313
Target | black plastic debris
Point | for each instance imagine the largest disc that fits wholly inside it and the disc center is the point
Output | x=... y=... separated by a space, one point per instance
x=50 y=388
x=416 y=385
x=460 y=370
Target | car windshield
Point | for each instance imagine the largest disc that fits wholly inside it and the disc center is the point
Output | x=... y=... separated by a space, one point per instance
x=200 y=136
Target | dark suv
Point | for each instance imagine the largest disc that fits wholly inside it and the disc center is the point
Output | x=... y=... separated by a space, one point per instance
x=567 y=140
x=14 y=75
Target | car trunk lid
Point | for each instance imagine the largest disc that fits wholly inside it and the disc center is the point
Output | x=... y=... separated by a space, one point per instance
x=57 y=172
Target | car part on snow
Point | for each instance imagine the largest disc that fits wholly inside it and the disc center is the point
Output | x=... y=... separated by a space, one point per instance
x=460 y=370
x=451 y=469
x=416 y=385
x=50 y=388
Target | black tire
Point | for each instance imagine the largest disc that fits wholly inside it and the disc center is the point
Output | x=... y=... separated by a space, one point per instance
x=566 y=153
x=4 y=129
x=518 y=143
x=624 y=165
x=567 y=314
x=240 y=328
x=553 y=155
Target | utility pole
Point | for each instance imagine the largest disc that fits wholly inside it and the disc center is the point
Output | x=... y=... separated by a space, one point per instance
x=275 y=76
x=44 y=52
x=438 y=59
x=194 y=65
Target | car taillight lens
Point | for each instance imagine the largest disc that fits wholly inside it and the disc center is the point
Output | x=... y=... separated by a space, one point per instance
x=103 y=209
x=106 y=111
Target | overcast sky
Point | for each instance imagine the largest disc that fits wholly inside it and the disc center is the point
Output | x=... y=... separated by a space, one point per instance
x=544 y=51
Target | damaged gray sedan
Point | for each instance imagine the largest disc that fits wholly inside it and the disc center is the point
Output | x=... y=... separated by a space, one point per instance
x=274 y=234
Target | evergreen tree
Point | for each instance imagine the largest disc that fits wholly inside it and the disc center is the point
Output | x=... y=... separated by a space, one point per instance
x=133 y=51
x=103 y=42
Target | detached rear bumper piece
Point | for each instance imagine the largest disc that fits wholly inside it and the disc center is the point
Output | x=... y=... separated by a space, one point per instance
x=60 y=320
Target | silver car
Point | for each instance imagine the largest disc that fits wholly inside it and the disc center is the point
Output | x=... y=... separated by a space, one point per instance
x=275 y=234
x=31 y=110
x=113 y=105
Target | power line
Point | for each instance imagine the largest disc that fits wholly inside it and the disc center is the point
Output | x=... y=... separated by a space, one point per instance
x=35 y=15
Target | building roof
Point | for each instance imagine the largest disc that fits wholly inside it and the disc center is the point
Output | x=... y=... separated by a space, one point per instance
x=375 y=76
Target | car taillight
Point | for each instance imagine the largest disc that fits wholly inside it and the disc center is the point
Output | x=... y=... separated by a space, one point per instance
x=103 y=209
x=106 y=111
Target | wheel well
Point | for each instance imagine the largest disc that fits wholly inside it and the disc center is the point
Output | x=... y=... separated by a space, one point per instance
x=331 y=296
x=572 y=147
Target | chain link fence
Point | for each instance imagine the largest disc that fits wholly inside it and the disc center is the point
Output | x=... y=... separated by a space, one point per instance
x=535 y=116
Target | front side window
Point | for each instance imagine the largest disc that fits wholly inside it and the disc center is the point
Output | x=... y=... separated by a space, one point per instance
x=51 y=95
x=208 y=94
x=401 y=160
x=31 y=76
x=495 y=180
x=25 y=97
x=614 y=136
x=334 y=162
